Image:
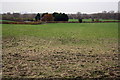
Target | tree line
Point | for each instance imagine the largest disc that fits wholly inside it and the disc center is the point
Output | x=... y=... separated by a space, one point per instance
x=103 y=15
x=52 y=17
x=58 y=16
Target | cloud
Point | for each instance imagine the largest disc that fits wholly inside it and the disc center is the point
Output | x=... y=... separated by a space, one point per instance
x=59 y=0
x=67 y=7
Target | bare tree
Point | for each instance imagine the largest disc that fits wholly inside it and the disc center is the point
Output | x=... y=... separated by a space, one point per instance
x=78 y=15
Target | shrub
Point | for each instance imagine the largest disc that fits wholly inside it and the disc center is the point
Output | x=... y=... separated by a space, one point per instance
x=92 y=19
x=80 y=20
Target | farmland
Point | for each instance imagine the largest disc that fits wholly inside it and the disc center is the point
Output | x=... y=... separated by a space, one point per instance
x=60 y=50
x=91 y=20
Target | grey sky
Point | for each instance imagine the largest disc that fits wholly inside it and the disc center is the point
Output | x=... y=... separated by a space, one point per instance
x=67 y=6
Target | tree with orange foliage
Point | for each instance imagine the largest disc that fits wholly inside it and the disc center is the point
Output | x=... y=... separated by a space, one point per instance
x=47 y=17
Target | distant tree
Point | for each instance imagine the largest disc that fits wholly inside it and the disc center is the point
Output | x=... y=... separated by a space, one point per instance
x=54 y=14
x=92 y=19
x=104 y=11
x=43 y=14
x=65 y=17
x=80 y=20
x=111 y=11
x=37 y=17
x=16 y=15
x=57 y=17
x=47 y=17
x=78 y=15
x=60 y=17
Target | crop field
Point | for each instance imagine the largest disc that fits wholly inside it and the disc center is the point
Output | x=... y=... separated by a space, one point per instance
x=60 y=50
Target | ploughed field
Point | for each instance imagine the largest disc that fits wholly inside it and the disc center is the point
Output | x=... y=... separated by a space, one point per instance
x=60 y=50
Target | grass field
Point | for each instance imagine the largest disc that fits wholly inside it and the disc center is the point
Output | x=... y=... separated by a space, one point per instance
x=7 y=20
x=60 y=50
x=91 y=20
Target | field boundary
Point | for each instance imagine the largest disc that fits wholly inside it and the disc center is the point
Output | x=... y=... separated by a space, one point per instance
x=41 y=22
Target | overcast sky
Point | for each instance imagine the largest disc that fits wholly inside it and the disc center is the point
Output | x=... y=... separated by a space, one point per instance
x=67 y=6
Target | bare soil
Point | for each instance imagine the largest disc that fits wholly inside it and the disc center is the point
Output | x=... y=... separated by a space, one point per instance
x=39 y=58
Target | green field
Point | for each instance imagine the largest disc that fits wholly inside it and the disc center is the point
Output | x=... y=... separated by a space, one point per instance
x=7 y=20
x=60 y=50
x=70 y=30
x=91 y=20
